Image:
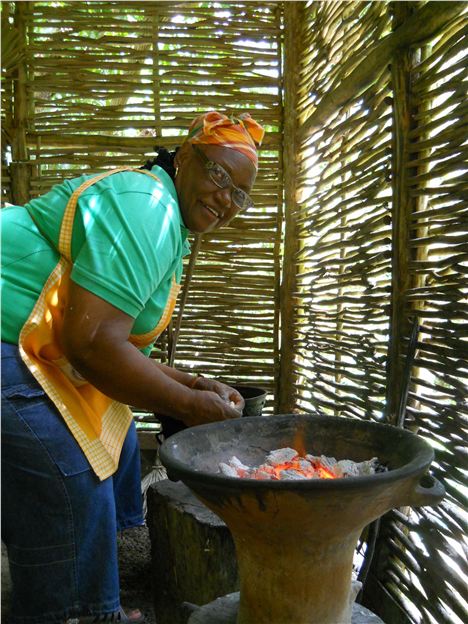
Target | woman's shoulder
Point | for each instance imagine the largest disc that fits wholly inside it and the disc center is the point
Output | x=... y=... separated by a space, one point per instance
x=138 y=192
x=141 y=181
x=15 y=215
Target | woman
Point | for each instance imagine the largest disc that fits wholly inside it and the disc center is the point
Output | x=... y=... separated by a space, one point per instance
x=90 y=275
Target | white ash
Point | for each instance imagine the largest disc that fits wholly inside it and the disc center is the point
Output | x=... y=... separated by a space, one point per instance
x=326 y=462
x=237 y=464
x=303 y=464
x=286 y=463
x=348 y=468
x=234 y=468
x=227 y=470
x=281 y=456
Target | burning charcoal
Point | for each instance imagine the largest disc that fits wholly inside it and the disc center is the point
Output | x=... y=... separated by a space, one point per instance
x=228 y=470
x=328 y=462
x=263 y=475
x=237 y=464
x=281 y=456
x=285 y=463
x=292 y=474
x=304 y=464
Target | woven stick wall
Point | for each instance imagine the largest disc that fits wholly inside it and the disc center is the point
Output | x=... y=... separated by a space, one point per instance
x=106 y=82
x=375 y=220
x=377 y=235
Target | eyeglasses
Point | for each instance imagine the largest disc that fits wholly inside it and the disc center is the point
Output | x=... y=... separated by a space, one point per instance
x=222 y=179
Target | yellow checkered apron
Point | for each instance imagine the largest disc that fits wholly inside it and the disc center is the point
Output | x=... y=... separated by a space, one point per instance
x=98 y=423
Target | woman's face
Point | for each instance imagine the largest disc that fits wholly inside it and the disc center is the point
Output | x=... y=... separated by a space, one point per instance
x=204 y=205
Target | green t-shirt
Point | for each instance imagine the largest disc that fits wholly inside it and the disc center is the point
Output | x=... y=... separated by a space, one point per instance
x=128 y=242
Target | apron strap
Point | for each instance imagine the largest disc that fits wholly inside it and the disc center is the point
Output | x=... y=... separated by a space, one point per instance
x=65 y=238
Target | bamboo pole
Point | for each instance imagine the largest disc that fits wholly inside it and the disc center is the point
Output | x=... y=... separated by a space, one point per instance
x=20 y=169
x=416 y=29
x=285 y=394
x=174 y=335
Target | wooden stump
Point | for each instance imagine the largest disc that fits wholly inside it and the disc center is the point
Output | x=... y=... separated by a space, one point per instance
x=192 y=551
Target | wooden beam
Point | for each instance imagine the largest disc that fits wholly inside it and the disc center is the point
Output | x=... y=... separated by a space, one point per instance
x=285 y=395
x=117 y=143
x=419 y=27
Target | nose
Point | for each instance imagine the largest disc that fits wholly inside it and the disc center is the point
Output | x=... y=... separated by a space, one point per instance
x=224 y=197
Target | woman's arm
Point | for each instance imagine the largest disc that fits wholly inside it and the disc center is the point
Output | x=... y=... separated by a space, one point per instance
x=95 y=341
x=177 y=375
x=203 y=383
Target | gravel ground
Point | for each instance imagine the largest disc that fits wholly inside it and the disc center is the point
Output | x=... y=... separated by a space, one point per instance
x=135 y=574
x=135 y=571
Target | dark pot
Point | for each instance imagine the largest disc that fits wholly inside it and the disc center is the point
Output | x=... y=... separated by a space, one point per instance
x=254 y=399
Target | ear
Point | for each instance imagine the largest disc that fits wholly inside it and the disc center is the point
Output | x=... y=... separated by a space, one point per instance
x=183 y=154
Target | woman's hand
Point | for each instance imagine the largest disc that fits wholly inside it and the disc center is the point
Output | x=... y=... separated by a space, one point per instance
x=213 y=401
x=228 y=394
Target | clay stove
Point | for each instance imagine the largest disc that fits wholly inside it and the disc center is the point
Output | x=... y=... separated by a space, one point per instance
x=295 y=540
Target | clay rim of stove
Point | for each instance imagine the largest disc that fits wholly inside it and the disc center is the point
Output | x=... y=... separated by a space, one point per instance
x=184 y=471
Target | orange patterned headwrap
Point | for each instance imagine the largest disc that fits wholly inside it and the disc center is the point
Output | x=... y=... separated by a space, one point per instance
x=240 y=133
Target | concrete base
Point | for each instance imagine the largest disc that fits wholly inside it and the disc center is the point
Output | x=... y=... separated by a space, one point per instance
x=224 y=611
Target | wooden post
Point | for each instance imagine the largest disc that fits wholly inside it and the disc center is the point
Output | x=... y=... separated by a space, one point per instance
x=279 y=221
x=20 y=167
x=403 y=207
x=285 y=393
x=8 y=82
x=375 y=596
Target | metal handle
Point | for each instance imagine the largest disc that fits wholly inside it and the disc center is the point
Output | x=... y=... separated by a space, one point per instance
x=429 y=491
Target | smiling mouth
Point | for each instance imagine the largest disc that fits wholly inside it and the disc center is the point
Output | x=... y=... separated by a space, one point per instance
x=213 y=211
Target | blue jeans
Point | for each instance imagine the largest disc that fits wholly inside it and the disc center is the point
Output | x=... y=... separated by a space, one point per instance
x=59 y=522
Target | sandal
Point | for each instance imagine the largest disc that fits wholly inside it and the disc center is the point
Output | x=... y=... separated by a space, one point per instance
x=134 y=616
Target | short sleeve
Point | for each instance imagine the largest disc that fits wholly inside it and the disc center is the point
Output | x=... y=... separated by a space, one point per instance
x=132 y=239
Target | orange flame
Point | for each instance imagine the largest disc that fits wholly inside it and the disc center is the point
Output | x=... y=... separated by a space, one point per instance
x=299 y=445
x=275 y=471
